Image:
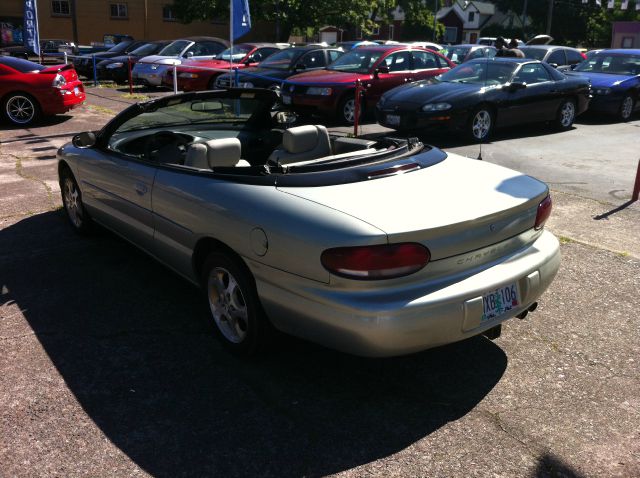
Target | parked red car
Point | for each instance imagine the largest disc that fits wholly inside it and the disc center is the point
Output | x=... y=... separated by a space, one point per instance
x=29 y=90
x=331 y=91
x=191 y=76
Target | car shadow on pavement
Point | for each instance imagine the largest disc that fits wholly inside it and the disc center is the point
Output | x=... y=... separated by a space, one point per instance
x=133 y=344
x=53 y=120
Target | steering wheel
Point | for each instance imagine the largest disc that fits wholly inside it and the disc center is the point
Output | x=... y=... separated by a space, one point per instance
x=166 y=147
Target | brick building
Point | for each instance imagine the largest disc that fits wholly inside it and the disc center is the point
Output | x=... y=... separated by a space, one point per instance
x=142 y=19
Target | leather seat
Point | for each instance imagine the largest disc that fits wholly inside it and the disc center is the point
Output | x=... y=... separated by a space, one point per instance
x=302 y=143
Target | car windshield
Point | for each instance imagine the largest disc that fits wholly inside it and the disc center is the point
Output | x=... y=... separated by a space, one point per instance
x=481 y=73
x=356 y=61
x=120 y=47
x=533 y=53
x=237 y=52
x=174 y=48
x=146 y=49
x=613 y=64
x=456 y=53
x=206 y=110
x=23 y=66
x=283 y=59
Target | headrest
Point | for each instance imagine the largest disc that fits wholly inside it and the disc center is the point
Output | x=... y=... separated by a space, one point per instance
x=300 y=139
x=197 y=156
x=223 y=152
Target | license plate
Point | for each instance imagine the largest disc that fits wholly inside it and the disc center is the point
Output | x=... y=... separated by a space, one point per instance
x=500 y=302
x=393 y=120
x=286 y=99
x=76 y=91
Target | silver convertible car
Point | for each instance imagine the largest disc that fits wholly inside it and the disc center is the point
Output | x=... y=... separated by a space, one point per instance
x=373 y=247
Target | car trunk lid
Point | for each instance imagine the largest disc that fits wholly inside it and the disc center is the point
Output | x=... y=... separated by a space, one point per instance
x=67 y=71
x=453 y=207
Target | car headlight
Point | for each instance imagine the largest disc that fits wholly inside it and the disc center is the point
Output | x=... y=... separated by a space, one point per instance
x=602 y=91
x=245 y=84
x=154 y=66
x=319 y=91
x=188 y=75
x=58 y=81
x=436 y=107
x=115 y=65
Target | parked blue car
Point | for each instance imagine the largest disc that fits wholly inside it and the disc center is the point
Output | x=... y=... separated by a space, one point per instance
x=615 y=81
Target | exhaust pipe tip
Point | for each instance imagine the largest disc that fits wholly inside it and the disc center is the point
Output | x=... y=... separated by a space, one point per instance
x=533 y=307
x=522 y=314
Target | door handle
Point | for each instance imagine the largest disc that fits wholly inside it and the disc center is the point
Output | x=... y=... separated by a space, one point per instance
x=141 y=188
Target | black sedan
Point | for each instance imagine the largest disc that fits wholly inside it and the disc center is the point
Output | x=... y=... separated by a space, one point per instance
x=483 y=94
x=117 y=67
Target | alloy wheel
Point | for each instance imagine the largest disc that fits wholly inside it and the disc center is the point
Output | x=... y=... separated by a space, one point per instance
x=626 y=108
x=349 y=110
x=567 y=113
x=72 y=202
x=481 y=124
x=228 y=305
x=20 y=109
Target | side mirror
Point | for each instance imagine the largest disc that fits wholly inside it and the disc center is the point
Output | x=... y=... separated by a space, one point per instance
x=286 y=118
x=299 y=66
x=553 y=65
x=189 y=54
x=515 y=86
x=573 y=67
x=84 y=140
x=381 y=69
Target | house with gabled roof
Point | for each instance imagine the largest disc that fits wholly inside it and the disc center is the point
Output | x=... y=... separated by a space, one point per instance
x=464 y=19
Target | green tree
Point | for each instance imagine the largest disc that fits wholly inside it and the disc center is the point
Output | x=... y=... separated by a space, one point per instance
x=301 y=14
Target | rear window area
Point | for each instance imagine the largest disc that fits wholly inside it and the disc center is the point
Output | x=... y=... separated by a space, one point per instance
x=23 y=66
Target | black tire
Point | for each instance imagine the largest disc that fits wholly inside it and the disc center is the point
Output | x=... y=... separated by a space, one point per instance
x=626 y=108
x=20 y=109
x=480 y=124
x=77 y=214
x=346 y=109
x=212 y=83
x=566 y=115
x=234 y=306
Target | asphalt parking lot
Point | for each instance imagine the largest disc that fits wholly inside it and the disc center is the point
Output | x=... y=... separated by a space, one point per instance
x=107 y=366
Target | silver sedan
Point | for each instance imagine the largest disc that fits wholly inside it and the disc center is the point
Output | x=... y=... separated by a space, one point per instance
x=373 y=247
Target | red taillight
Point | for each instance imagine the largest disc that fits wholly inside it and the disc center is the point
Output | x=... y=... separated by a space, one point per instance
x=544 y=211
x=376 y=262
x=584 y=57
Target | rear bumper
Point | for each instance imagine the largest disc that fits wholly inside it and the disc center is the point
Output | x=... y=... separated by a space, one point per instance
x=60 y=100
x=381 y=323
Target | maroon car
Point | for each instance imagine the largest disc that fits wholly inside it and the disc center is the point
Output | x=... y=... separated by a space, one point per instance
x=30 y=90
x=192 y=76
x=331 y=91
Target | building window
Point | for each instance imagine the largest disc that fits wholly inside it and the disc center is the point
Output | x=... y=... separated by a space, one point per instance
x=472 y=16
x=167 y=14
x=118 y=10
x=451 y=35
x=391 y=29
x=60 y=7
x=627 y=42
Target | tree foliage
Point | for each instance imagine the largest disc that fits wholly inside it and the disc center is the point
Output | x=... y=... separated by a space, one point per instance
x=362 y=15
x=573 y=22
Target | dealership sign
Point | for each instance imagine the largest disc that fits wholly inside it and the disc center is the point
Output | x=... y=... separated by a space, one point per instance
x=31 y=35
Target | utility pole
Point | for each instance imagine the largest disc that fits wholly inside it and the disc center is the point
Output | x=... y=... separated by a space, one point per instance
x=74 y=23
x=549 y=17
x=435 y=21
x=524 y=19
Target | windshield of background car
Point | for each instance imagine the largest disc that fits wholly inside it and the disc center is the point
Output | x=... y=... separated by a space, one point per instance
x=146 y=49
x=481 y=73
x=533 y=53
x=120 y=47
x=23 y=66
x=456 y=54
x=613 y=64
x=356 y=61
x=239 y=52
x=174 y=48
x=213 y=110
x=283 y=59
